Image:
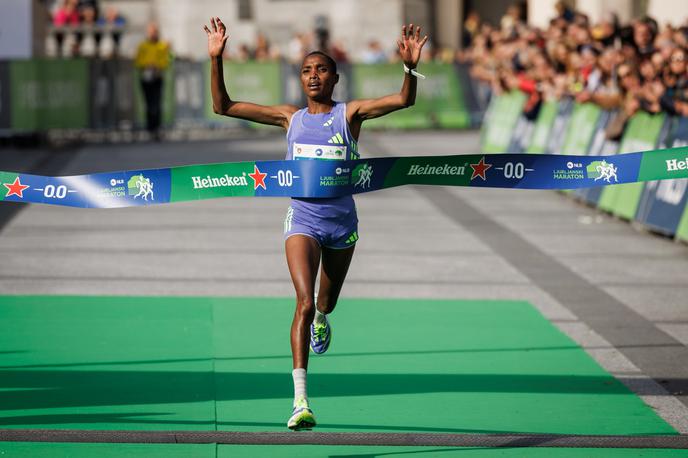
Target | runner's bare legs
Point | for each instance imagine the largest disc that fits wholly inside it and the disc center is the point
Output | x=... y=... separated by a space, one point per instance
x=303 y=259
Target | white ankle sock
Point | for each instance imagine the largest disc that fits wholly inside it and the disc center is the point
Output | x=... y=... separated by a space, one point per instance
x=319 y=317
x=299 y=376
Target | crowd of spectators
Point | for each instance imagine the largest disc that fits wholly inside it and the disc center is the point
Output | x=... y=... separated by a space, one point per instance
x=302 y=43
x=79 y=27
x=624 y=67
x=295 y=50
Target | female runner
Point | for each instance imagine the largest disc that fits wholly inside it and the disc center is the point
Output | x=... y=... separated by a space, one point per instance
x=319 y=233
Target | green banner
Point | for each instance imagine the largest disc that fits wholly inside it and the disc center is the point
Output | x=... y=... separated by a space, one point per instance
x=641 y=134
x=581 y=128
x=543 y=125
x=439 y=99
x=431 y=170
x=255 y=82
x=500 y=121
x=49 y=94
x=211 y=181
x=659 y=163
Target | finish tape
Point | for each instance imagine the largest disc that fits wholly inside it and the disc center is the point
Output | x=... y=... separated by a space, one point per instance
x=334 y=178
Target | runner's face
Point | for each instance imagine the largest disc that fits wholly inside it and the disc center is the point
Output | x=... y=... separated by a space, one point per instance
x=317 y=78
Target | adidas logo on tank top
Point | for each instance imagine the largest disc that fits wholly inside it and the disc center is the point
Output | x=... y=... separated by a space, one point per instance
x=336 y=138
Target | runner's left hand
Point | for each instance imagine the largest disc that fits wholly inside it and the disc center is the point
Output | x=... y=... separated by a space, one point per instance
x=410 y=45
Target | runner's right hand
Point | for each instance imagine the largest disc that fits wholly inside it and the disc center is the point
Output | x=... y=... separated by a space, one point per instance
x=217 y=37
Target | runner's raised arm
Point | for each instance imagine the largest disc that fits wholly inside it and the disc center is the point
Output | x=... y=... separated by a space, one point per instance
x=410 y=46
x=277 y=115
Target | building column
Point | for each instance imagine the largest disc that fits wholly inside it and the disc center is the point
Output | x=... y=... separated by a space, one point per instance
x=674 y=13
x=449 y=21
x=540 y=12
x=596 y=9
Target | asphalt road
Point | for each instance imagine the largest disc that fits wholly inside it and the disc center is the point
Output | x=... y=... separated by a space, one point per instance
x=618 y=292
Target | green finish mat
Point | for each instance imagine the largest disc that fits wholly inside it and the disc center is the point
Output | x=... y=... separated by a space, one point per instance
x=61 y=450
x=247 y=451
x=194 y=363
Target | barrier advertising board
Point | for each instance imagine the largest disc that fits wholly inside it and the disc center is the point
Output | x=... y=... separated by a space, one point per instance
x=662 y=202
x=641 y=134
x=439 y=99
x=49 y=94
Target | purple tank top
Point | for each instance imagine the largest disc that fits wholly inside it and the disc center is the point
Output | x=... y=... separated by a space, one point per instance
x=323 y=136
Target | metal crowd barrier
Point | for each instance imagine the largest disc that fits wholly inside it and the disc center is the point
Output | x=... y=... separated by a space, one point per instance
x=567 y=127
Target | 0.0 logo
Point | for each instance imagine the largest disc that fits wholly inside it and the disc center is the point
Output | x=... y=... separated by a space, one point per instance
x=55 y=192
x=512 y=170
x=285 y=177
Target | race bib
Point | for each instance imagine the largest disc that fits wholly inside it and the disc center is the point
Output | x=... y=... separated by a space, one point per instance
x=326 y=152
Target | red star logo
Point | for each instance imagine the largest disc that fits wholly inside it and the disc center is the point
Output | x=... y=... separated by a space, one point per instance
x=480 y=168
x=15 y=189
x=258 y=178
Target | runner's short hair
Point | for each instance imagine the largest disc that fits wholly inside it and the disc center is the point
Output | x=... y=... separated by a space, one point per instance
x=330 y=61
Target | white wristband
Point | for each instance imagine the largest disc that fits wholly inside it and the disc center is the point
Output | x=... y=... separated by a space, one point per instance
x=413 y=72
